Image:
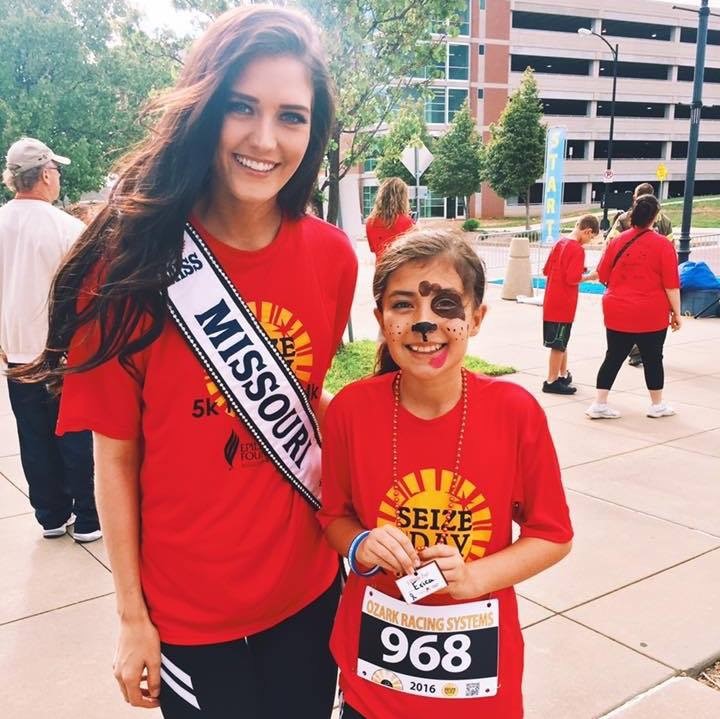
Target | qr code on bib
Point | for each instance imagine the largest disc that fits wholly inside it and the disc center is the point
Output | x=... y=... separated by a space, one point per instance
x=472 y=689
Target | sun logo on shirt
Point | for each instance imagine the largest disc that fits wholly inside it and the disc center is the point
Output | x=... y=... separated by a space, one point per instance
x=290 y=338
x=424 y=497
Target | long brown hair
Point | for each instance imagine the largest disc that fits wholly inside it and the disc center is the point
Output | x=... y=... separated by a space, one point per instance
x=134 y=244
x=391 y=201
x=426 y=245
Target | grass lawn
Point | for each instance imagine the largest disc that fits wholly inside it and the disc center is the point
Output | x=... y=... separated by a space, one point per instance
x=706 y=213
x=357 y=359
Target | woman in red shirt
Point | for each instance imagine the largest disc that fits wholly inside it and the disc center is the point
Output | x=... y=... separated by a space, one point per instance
x=640 y=270
x=202 y=309
x=426 y=463
x=390 y=216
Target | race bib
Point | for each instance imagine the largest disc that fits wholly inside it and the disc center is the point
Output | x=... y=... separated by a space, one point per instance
x=444 y=652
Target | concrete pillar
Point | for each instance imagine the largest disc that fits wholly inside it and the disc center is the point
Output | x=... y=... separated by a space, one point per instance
x=518 y=273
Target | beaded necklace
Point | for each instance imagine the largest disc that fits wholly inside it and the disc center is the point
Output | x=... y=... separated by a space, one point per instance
x=458 y=455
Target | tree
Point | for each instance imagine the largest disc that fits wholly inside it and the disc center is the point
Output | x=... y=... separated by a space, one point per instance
x=380 y=53
x=514 y=156
x=74 y=74
x=457 y=167
x=408 y=128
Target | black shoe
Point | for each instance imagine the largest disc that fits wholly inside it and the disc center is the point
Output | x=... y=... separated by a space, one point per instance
x=635 y=361
x=558 y=387
x=567 y=379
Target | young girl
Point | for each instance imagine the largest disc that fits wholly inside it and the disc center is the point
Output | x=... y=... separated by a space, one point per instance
x=426 y=462
x=390 y=216
x=206 y=307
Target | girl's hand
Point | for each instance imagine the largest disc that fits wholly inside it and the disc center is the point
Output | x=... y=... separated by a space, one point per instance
x=454 y=568
x=389 y=548
x=137 y=660
x=675 y=322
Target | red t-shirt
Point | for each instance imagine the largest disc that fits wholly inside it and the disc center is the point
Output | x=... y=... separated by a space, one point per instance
x=380 y=235
x=508 y=458
x=228 y=547
x=564 y=270
x=635 y=300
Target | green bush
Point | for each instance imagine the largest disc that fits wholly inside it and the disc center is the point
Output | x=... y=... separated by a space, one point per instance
x=471 y=225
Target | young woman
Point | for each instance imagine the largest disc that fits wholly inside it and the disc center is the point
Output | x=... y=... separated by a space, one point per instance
x=390 y=216
x=640 y=270
x=226 y=589
x=426 y=462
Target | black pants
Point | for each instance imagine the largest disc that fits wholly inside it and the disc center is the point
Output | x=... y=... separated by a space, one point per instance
x=285 y=672
x=619 y=345
x=59 y=470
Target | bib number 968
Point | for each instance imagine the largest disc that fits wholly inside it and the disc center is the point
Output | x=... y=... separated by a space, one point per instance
x=424 y=653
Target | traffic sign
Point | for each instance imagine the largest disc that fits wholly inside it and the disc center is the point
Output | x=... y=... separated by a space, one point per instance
x=608 y=176
x=662 y=172
x=416 y=153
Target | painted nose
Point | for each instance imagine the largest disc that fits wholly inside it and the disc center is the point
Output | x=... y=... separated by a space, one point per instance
x=424 y=328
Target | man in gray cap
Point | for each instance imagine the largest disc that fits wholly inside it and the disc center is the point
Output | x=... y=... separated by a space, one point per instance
x=34 y=239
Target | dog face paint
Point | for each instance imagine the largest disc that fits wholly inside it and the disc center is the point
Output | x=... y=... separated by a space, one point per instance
x=447 y=302
x=427 y=318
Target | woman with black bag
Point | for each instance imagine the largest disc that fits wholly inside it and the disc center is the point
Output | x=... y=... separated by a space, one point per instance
x=639 y=268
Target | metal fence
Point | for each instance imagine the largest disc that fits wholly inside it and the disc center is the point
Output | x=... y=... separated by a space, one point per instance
x=494 y=249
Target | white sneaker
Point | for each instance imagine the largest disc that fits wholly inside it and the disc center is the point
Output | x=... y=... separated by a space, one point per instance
x=601 y=411
x=660 y=410
x=59 y=531
x=84 y=538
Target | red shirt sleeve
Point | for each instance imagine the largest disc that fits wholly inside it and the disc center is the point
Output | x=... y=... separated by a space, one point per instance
x=603 y=268
x=336 y=485
x=669 y=267
x=106 y=399
x=345 y=292
x=539 y=501
x=403 y=223
x=549 y=262
x=575 y=263
x=372 y=236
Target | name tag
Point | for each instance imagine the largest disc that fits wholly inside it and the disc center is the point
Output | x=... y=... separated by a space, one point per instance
x=426 y=580
x=443 y=652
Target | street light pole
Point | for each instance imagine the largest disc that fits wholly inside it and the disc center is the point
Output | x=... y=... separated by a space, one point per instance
x=695 y=112
x=605 y=223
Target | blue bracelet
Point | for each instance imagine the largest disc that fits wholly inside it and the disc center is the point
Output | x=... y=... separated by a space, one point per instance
x=351 y=556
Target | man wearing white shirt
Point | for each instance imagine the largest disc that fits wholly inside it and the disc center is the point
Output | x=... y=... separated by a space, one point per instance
x=34 y=239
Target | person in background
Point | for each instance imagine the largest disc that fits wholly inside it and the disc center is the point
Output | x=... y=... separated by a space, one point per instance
x=639 y=268
x=662 y=225
x=35 y=237
x=390 y=216
x=565 y=270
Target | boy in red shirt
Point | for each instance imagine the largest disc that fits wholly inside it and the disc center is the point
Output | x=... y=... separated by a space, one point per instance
x=564 y=269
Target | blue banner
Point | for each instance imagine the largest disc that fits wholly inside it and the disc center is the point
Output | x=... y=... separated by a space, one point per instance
x=553 y=181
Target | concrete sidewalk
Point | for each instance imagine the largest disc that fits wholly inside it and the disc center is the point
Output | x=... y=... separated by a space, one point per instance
x=632 y=607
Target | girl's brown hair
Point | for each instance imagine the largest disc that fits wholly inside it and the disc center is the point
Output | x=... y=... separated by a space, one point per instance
x=423 y=246
x=136 y=241
x=391 y=201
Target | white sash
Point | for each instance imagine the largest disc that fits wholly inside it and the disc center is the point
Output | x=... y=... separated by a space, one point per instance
x=246 y=366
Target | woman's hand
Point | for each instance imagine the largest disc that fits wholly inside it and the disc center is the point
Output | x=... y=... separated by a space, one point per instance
x=389 y=548
x=137 y=660
x=453 y=566
x=675 y=322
